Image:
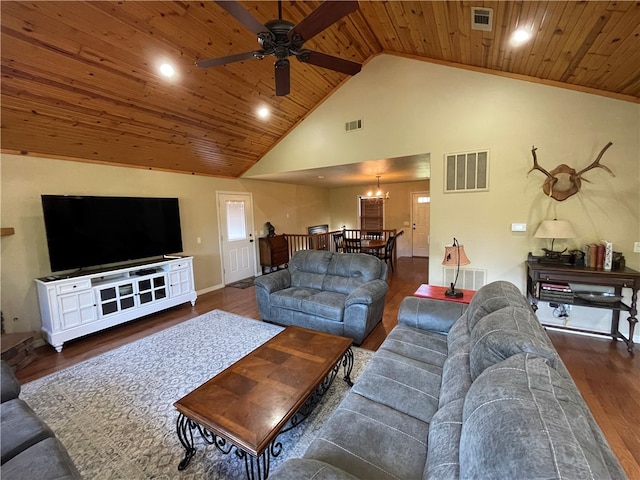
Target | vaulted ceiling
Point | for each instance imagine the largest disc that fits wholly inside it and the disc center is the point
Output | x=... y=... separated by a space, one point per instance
x=80 y=79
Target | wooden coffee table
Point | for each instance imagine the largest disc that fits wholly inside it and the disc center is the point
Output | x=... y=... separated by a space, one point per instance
x=244 y=408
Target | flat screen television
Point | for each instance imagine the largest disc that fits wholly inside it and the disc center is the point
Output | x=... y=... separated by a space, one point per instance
x=87 y=231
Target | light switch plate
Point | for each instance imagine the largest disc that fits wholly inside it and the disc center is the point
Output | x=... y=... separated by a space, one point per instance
x=636 y=247
x=518 y=227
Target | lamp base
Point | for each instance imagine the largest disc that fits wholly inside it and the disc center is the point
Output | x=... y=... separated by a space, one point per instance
x=453 y=293
x=553 y=256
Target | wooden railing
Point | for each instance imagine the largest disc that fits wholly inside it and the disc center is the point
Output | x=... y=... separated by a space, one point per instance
x=327 y=241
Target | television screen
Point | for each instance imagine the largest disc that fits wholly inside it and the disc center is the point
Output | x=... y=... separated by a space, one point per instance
x=85 y=231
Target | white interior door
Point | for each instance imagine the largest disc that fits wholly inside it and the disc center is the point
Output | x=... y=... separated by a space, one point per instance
x=420 y=213
x=235 y=211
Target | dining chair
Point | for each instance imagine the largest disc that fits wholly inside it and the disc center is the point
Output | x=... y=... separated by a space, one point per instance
x=352 y=245
x=387 y=255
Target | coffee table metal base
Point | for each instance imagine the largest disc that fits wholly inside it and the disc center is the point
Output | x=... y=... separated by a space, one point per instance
x=257 y=468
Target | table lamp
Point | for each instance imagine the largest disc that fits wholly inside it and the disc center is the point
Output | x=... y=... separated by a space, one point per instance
x=554 y=229
x=455 y=256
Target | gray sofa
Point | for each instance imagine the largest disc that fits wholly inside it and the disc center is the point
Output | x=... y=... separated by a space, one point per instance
x=30 y=450
x=455 y=393
x=342 y=294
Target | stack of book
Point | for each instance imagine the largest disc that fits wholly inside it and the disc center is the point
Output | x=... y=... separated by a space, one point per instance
x=555 y=292
x=598 y=255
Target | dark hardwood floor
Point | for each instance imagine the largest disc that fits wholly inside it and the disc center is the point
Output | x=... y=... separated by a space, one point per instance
x=607 y=376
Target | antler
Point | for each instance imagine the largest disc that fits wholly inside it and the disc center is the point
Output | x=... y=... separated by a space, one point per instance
x=595 y=164
x=536 y=165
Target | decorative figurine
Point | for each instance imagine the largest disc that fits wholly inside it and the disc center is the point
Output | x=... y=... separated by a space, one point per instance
x=271 y=230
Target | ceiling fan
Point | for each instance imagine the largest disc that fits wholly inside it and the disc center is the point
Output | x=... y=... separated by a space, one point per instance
x=283 y=39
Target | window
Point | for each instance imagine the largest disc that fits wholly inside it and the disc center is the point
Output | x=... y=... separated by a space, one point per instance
x=371 y=213
x=236 y=227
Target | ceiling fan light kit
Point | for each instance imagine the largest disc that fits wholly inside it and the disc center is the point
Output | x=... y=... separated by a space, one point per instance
x=282 y=39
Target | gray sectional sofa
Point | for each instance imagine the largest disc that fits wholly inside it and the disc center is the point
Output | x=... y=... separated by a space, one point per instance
x=455 y=393
x=30 y=450
x=337 y=293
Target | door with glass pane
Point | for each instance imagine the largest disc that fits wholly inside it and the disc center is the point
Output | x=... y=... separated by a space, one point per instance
x=236 y=231
x=420 y=213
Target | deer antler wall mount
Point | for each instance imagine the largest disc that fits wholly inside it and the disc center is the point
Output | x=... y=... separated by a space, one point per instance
x=563 y=181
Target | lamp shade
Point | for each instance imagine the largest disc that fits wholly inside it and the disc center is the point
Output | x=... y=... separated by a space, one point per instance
x=451 y=256
x=555 y=229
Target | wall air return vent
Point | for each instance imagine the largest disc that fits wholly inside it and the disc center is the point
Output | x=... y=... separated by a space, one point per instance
x=482 y=19
x=353 y=125
x=469 y=278
x=466 y=171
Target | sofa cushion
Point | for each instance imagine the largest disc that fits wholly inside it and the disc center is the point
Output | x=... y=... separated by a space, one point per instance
x=348 y=271
x=456 y=378
x=492 y=297
x=308 y=469
x=504 y=333
x=443 y=454
x=409 y=386
x=459 y=336
x=329 y=305
x=524 y=420
x=46 y=460
x=308 y=268
x=21 y=428
x=372 y=441
x=422 y=345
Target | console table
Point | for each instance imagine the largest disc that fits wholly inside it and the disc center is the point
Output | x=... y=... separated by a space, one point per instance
x=75 y=305
x=618 y=279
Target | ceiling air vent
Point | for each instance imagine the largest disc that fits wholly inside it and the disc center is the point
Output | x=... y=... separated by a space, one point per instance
x=353 y=125
x=482 y=18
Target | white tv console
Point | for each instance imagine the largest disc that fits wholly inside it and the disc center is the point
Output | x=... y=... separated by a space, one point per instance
x=87 y=302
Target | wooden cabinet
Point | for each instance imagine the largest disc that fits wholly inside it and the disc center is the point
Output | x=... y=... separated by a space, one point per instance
x=76 y=305
x=274 y=253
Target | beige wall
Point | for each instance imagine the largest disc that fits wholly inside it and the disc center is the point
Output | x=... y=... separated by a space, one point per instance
x=413 y=107
x=24 y=255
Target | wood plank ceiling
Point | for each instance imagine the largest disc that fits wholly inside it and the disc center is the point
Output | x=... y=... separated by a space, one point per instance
x=80 y=79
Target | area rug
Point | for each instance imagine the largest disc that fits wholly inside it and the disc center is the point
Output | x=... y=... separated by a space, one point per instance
x=115 y=413
x=246 y=283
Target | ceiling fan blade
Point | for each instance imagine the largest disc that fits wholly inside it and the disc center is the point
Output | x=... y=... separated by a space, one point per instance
x=322 y=17
x=329 y=61
x=283 y=77
x=238 y=57
x=238 y=12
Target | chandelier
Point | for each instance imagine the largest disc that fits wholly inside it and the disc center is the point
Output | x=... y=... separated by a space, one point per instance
x=378 y=193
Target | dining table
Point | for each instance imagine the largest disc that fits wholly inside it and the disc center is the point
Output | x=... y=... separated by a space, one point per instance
x=372 y=246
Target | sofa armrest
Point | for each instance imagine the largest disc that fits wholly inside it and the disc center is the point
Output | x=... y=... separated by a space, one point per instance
x=429 y=314
x=274 y=281
x=10 y=387
x=368 y=293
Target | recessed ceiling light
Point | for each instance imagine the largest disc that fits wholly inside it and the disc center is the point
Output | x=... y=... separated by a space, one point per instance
x=321 y=177
x=263 y=112
x=167 y=70
x=520 y=36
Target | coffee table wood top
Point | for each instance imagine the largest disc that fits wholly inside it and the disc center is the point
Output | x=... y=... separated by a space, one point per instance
x=251 y=401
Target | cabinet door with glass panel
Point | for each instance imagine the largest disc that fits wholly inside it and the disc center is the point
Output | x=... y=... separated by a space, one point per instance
x=152 y=289
x=131 y=293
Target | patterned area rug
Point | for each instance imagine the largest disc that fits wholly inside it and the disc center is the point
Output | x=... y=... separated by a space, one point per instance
x=115 y=413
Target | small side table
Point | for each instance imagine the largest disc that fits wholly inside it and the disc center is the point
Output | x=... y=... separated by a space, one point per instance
x=437 y=293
